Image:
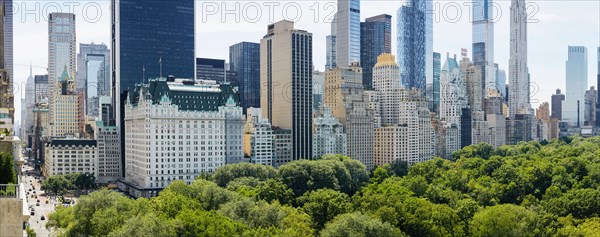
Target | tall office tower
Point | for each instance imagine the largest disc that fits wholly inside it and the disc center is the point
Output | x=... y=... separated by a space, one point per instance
x=591 y=97
x=329 y=136
x=331 y=46
x=93 y=74
x=473 y=84
x=351 y=105
x=412 y=138
x=598 y=86
x=557 y=102
x=286 y=79
x=386 y=80
x=167 y=29
x=258 y=138
x=6 y=95
x=7 y=22
x=415 y=44
x=375 y=39
x=437 y=69
x=202 y=121
x=210 y=69
x=501 y=82
x=61 y=52
x=42 y=88
x=483 y=42
x=27 y=105
x=244 y=60
x=496 y=121
x=68 y=108
x=347 y=37
x=519 y=72
x=576 y=80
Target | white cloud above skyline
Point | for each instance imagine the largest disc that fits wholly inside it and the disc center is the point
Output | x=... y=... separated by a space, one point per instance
x=559 y=24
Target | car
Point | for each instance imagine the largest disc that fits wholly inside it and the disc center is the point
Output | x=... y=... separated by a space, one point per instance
x=32 y=213
x=37 y=204
x=38 y=200
x=33 y=191
x=30 y=189
x=43 y=218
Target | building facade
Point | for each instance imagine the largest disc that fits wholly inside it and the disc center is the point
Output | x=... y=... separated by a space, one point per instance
x=519 y=89
x=68 y=156
x=244 y=60
x=109 y=153
x=591 y=97
x=557 y=102
x=286 y=78
x=210 y=69
x=483 y=42
x=258 y=138
x=61 y=51
x=328 y=135
x=375 y=39
x=177 y=129
x=67 y=117
x=347 y=37
x=93 y=74
x=576 y=81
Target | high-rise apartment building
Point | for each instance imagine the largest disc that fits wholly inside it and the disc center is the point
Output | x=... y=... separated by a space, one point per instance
x=61 y=52
x=176 y=129
x=286 y=79
x=591 y=97
x=109 y=153
x=454 y=111
x=483 y=42
x=244 y=60
x=210 y=69
x=93 y=74
x=501 y=82
x=519 y=93
x=473 y=85
x=557 y=102
x=331 y=46
x=8 y=54
x=258 y=138
x=68 y=109
x=328 y=136
x=375 y=39
x=543 y=112
x=415 y=43
x=347 y=37
x=576 y=80
x=386 y=80
x=351 y=105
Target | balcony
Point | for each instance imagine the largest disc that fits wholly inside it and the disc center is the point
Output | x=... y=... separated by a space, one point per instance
x=9 y=191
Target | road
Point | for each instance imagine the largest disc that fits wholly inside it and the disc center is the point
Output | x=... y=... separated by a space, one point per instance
x=35 y=222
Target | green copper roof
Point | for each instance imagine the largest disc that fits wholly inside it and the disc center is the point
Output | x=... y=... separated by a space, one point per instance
x=65 y=75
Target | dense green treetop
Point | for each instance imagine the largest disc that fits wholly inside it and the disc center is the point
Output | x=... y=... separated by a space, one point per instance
x=529 y=189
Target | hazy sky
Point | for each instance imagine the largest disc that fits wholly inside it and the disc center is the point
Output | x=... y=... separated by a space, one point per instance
x=554 y=25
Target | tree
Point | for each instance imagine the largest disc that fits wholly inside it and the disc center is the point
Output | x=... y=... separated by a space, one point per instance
x=206 y=223
x=56 y=185
x=398 y=168
x=324 y=204
x=275 y=190
x=504 y=220
x=7 y=169
x=223 y=175
x=356 y=224
x=145 y=225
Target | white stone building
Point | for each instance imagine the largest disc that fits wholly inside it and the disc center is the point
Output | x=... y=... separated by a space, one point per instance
x=176 y=129
x=258 y=138
x=328 y=135
x=109 y=153
x=68 y=156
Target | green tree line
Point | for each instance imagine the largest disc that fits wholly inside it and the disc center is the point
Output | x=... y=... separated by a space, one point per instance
x=529 y=189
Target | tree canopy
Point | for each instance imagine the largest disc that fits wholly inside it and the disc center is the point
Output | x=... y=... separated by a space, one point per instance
x=528 y=189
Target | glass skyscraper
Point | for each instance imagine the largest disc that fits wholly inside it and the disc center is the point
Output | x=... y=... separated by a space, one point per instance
x=210 y=69
x=244 y=60
x=347 y=39
x=8 y=40
x=576 y=81
x=149 y=38
x=483 y=42
x=437 y=68
x=375 y=39
x=415 y=43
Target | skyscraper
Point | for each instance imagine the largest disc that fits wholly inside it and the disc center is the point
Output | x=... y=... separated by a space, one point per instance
x=557 y=101
x=375 y=39
x=437 y=69
x=286 y=78
x=576 y=80
x=8 y=40
x=244 y=60
x=501 y=81
x=589 y=117
x=61 y=52
x=483 y=42
x=598 y=86
x=210 y=69
x=348 y=32
x=518 y=70
x=93 y=74
x=331 y=46
x=137 y=26
x=415 y=44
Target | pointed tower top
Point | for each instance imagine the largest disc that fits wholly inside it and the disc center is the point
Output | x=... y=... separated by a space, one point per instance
x=230 y=101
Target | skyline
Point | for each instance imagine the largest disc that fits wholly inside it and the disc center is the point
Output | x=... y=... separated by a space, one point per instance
x=557 y=27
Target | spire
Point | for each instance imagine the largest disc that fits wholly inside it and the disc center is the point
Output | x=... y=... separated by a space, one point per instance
x=30 y=69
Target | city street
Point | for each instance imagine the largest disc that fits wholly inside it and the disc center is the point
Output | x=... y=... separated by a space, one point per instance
x=38 y=225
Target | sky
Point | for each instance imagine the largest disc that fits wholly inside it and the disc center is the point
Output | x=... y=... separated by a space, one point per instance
x=553 y=26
